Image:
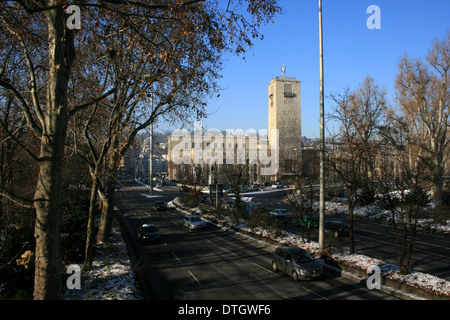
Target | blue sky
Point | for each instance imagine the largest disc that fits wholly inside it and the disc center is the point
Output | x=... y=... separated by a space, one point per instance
x=351 y=51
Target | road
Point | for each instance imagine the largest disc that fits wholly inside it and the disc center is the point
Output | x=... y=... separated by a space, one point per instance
x=212 y=264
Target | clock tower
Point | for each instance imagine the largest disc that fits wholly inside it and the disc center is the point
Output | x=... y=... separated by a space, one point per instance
x=285 y=116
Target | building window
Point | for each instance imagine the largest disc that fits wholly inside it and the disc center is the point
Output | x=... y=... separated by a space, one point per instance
x=288 y=90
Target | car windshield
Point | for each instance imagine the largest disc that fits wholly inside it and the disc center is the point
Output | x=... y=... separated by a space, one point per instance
x=149 y=229
x=196 y=219
x=159 y=203
x=302 y=257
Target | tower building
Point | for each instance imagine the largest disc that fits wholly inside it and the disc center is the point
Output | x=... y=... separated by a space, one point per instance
x=285 y=116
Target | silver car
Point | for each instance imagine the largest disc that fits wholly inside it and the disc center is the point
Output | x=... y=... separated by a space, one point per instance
x=193 y=222
x=297 y=263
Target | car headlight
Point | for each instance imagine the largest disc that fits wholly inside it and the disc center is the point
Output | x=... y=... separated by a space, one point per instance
x=301 y=271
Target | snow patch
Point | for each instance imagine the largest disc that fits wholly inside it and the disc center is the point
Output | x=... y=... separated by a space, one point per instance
x=423 y=281
x=111 y=277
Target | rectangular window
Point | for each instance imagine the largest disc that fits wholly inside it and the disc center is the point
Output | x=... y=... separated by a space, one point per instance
x=288 y=90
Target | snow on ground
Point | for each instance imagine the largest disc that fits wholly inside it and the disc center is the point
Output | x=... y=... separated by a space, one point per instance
x=416 y=279
x=111 y=277
x=371 y=212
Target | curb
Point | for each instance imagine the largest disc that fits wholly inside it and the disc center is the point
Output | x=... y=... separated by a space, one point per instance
x=152 y=285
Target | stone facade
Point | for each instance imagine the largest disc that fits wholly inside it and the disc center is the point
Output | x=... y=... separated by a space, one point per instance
x=284 y=113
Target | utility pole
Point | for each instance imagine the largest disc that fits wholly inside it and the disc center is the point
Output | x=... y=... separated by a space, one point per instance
x=150 y=156
x=322 y=140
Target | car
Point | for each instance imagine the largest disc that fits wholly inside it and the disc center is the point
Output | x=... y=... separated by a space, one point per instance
x=306 y=220
x=158 y=185
x=278 y=218
x=337 y=228
x=193 y=222
x=148 y=233
x=204 y=198
x=289 y=215
x=185 y=189
x=296 y=262
x=244 y=190
x=159 y=206
x=253 y=207
x=254 y=187
x=277 y=185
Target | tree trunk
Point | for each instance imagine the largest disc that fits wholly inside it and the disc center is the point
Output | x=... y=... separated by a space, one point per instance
x=351 y=234
x=437 y=191
x=89 y=249
x=107 y=213
x=47 y=281
x=351 y=205
x=109 y=199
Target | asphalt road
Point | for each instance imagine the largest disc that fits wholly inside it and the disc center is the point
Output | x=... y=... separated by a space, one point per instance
x=431 y=252
x=212 y=264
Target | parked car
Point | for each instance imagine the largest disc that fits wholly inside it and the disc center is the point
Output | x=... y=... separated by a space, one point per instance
x=337 y=228
x=148 y=233
x=159 y=206
x=185 y=189
x=253 y=207
x=193 y=222
x=296 y=262
x=306 y=220
x=204 y=198
x=289 y=215
x=254 y=187
x=277 y=185
x=244 y=190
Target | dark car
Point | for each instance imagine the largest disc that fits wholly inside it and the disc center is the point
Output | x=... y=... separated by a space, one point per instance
x=296 y=262
x=185 y=189
x=159 y=206
x=148 y=233
x=337 y=228
x=278 y=218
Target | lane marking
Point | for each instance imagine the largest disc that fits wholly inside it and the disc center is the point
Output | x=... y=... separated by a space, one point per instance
x=264 y=268
x=195 y=278
x=175 y=257
x=309 y=290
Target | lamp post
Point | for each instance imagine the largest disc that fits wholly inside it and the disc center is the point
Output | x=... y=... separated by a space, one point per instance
x=322 y=140
x=150 y=156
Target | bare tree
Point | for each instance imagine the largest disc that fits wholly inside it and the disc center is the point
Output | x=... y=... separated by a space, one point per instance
x=422 y=92
x=49 y=49
x=404 y=188
x=359 y=114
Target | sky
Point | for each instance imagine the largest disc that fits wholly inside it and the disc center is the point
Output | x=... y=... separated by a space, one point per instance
x=351 y=52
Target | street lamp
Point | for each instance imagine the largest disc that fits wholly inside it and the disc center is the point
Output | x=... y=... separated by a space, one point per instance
x=150 y=157
x=322 y=140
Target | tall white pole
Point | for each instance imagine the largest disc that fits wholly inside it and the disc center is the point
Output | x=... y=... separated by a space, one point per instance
x=322 y=140
x=150 y=156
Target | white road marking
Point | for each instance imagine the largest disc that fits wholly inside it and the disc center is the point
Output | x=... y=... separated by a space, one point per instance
x=195 y=278
x=175 y=257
